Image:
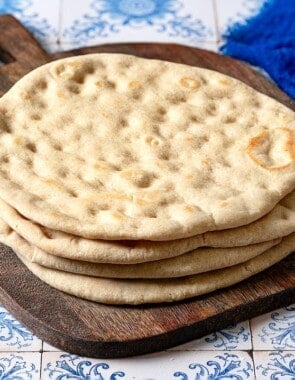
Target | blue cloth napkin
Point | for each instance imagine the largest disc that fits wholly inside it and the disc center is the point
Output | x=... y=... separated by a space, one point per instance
x=267 y=40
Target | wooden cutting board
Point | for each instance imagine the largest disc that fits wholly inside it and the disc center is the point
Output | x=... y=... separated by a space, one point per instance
x=97 y=330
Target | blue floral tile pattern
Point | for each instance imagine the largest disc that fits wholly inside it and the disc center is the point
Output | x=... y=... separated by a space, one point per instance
x=227 y=366
x=229 y=338
x=109 y=17
x=160 y=366
x=13 y=335
x=16 y=367
x=276 y=330
x=280 y=331
x=74 y=367
x=23 y=10
x=235 y=337
x=277 y=366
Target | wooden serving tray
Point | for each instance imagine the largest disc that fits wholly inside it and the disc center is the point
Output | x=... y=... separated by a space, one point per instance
x=98 y=330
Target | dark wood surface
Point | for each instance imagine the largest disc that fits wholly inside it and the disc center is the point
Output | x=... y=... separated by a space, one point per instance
x=97 y=330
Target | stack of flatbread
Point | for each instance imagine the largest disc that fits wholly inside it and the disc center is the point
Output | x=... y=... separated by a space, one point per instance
x=127 y=180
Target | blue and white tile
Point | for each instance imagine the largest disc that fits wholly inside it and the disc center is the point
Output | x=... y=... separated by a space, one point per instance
x=48 y=347
x=275 y=365
x=14 y=336
x=235 y=337
x=39 y=17
x=163 y=365
x=231 y=11
x=46 y=22
x=108 y=21
x=20 y=366
x=52 y=48
x=275 y=330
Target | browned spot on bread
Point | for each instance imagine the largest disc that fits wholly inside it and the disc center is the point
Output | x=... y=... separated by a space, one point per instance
x=56 y=215
x=206 y=160
x=189 y=138
x=101 y=166
x=225 y=82
x=18 y=141
x=189 y=82
x=61 y=94
x=52 y=182
x=151 y=195
x=105 y=84
x=106 y=114
x=142 y=202
x=189 y=209
x=42 y=84
x=260 y=147
x=137 y=177
x=134 y=84
x=118 y=215
x=25 y=95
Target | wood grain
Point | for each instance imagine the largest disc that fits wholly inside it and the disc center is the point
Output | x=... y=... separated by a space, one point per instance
x=98 y=330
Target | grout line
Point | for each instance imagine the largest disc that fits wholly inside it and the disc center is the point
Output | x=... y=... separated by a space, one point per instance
x=41 y=363
x=216 y=23
x=19 y=352
x=251 y=334
x=254 y=366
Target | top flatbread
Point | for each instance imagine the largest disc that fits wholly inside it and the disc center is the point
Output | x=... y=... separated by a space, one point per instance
x=116 y=147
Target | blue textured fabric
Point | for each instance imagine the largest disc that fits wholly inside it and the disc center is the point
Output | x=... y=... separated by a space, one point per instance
x=267 y=40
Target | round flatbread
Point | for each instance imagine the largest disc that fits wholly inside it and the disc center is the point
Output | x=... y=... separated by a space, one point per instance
x=197 y=261
x=276 y=224
x=114 y=291
x=112 y=146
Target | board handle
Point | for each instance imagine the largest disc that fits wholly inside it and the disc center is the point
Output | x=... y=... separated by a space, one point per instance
x=19 y=52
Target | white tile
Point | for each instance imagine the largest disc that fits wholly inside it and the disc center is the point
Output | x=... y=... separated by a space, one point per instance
x=20 y=365
x=40 y=17
x=52 y=48
x=275 y=330
x=159 y=366
x=14 y=336
x=212 y=46
x=48 y=347
x=86 y=23
x=230 y=11
x=45 y=24
x=237 y=337
x=276 y=365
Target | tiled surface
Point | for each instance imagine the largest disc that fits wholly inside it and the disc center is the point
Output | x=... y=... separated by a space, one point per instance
x=236 y=337
x=270 y=339
x=160 y=366
x=226 y=354
x=125 y=20
x=20 y=365
x=14 y=336
x=275 y=330
x=275 y=365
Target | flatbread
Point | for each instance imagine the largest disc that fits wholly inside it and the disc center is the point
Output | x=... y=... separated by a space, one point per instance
x=278 y=223
x=110 y=146
x=197 y=261
x=114 y=291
